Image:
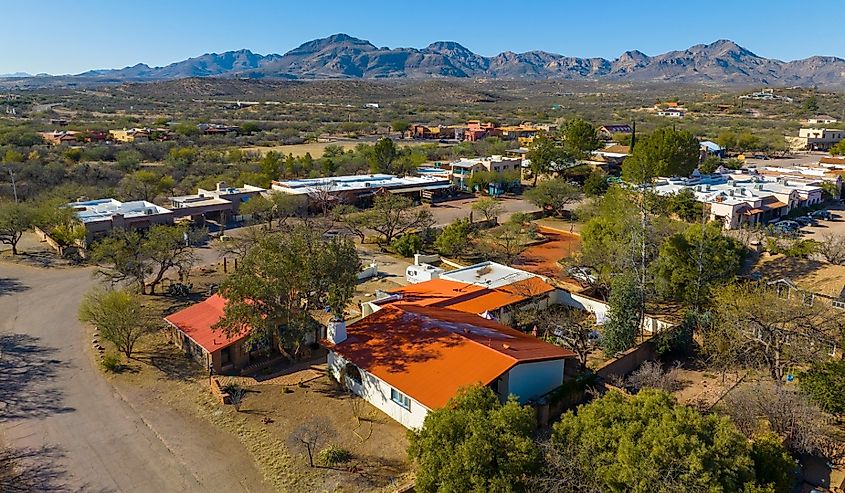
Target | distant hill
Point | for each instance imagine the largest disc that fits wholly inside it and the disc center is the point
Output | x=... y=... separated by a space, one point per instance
x=342 y=56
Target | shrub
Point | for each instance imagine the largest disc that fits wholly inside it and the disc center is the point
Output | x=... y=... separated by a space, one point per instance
x=407 y=245
x=334 y=455
x=111 y=363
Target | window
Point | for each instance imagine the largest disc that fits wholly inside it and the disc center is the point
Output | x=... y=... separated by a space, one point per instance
x=400 y=398
x=353 y=373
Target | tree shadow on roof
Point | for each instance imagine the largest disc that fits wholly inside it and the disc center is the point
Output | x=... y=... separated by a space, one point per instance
x=26 y=373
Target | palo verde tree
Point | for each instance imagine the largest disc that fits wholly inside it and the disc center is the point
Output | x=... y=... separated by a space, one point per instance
x=475 y=443
x=119 y=316
x=281 y=279
x=646 y=443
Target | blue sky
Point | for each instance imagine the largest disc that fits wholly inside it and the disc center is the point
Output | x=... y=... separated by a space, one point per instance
x=57 y=36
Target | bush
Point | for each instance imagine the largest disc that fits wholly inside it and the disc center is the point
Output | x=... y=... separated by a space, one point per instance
x=407 y=245
x=334 y=455
x=111 y=363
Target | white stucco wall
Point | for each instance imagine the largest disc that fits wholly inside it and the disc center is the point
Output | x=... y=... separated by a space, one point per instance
x=529 y=381
x=377 y=392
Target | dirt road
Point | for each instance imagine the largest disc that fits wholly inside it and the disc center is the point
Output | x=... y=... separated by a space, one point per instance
x=52 y=396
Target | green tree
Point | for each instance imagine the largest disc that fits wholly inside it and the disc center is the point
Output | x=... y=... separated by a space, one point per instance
x=709 y=165
x=260 y=208
x=72 y=155
x=691 y=263
x=128 y=160
x=281 y=279
x=475 y=444
x=825 y=384
x=596 y=184
x=384 y=152
x=488 y=207
x=811 y=104
x=684 y=205
x=168 y=248
x=727 y=139
x=623 y=316
x=664 y=152
x=543 y=152
x=554 y=195
x=454 y=240
x=119 y=316
x=773 y=466
x=146 y=184
x=392 y=215
x=130 y=256
x=15 y=220
x=580 y=139
x=838 y=149
x=400 y=126
x=407 y=245
x=646 y=443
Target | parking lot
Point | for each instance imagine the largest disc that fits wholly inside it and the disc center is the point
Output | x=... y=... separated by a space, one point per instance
x=835 y=225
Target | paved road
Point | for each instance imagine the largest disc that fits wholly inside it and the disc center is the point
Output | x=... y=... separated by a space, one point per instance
x=52 y=396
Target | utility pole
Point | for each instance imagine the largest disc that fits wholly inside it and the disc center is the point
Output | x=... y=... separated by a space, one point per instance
x=14 y=187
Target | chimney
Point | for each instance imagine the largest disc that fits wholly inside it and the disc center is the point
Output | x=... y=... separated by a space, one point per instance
x=221 y=185
x=336 y=332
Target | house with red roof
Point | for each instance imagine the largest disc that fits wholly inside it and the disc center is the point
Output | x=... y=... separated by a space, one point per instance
x=408 y=359
x=192 y=330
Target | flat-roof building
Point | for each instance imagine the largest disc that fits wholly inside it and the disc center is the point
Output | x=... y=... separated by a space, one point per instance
x=102 y=216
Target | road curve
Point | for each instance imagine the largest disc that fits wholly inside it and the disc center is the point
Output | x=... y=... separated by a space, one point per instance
x=52 y=396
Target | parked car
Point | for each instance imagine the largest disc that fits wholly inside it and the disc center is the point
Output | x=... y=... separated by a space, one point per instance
x=584 y=274
x=805 y=220
x=822 y=214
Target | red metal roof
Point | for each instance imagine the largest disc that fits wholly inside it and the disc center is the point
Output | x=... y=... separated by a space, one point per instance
x=197 y=320
x=428 y=353
x=471 y=298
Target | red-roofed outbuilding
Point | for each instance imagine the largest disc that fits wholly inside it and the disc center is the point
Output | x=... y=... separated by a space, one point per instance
x=193 y=331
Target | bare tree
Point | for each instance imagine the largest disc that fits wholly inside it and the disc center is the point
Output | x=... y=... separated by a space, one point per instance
x=803 y=426
x=570 y=328
x=652 y=375
x=563 y=473
x=310 y=435
x=757 y=324
x=832 y=248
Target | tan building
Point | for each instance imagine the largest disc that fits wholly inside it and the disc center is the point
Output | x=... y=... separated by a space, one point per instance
x=59 y=137
x=816 y=139
x=130 y=135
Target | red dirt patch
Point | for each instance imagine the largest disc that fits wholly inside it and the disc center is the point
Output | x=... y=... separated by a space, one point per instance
x=543 y=259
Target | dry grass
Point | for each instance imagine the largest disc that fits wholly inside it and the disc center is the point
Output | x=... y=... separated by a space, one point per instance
x=812 y=275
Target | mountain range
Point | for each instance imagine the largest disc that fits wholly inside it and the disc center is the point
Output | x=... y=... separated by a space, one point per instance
x=341 y=56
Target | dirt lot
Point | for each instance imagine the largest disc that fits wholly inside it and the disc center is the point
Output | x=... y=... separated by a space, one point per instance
x=271 y=410
x=812 y=275
x=543 y=259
